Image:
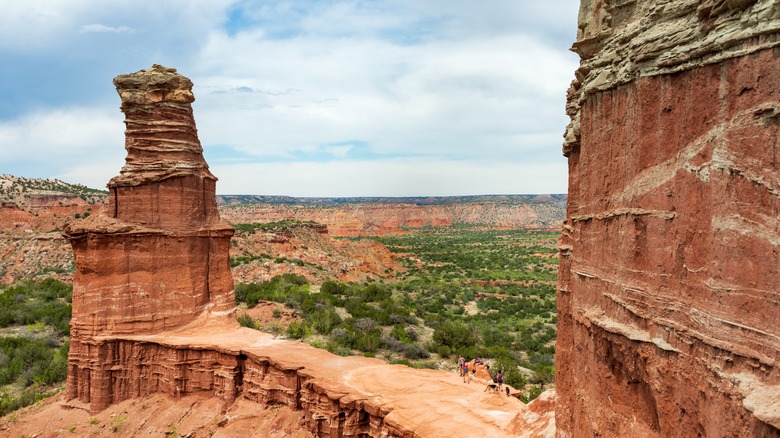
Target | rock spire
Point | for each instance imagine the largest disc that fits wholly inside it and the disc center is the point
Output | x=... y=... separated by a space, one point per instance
x=159 y=257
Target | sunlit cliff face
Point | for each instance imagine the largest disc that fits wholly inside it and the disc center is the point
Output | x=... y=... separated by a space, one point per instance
x=667 y=286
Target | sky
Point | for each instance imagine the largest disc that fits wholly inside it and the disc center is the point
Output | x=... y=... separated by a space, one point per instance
x=321 y=98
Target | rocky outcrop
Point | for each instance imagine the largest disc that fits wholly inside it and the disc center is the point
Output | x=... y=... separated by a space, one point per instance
x=228 y=369
x=157 y=258
x=31 y=247
x=34 y=194
x=153 y=304
x=306 y=249
x=668 y=286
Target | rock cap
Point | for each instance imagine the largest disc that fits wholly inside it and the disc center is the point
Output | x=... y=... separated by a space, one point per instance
x=160 y=137
x=155 y=85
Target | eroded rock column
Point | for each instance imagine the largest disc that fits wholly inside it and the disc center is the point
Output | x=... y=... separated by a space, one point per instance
x=159 y=258
x=668 y=291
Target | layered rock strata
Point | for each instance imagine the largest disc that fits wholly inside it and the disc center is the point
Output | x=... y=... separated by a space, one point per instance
x=379 y=219
x=668 y=286
x=153 y=303
x=158 y=256
x=336 y=396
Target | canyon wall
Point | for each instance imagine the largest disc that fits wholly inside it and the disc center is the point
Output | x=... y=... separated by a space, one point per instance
x=31 y=246
x=373 y=219
x=307 y=250
x=670 y=257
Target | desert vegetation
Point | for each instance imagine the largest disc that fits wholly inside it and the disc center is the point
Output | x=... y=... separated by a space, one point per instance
x=464 y=290
x=479 y=293
x=34 y=329
x=17 y=190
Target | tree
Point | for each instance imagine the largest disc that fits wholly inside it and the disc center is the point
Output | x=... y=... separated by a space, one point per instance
x=454 y=335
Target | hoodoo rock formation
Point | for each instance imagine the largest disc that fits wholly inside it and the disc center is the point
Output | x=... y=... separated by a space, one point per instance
x=152 y=317
x=159 y=256
x=670 y=259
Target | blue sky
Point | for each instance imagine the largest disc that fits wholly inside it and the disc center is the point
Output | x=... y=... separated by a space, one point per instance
x=301 y=98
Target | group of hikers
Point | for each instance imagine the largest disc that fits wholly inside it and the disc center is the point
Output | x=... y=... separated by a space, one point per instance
x=467 y=369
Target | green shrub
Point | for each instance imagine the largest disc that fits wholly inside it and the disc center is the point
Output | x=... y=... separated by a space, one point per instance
x=393 y=344
x=245 y=320
x=289 y=289
x=333 y=288
x=337 y=349
x=374 y=292
x=117 y=422
x=454 y=335
x=298 y=330
x=533 y=392
x=47 y=301
x=399 y=332
x=512 y=375
x=324 y=320
x=416 y=351
x=543 y=375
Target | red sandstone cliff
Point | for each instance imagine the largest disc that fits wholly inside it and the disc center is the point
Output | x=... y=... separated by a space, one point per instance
x=668 y=285
x=31 y=247
x=371 y=219
x=308 y=250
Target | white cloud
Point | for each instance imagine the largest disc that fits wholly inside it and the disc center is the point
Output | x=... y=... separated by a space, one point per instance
x=94 y=174
x=447 y=83
x=101 y=28
x=52 y=143
x=390 y=178
x=32 y=23
x=49 y=25
x=339 y=151
x=466 y=98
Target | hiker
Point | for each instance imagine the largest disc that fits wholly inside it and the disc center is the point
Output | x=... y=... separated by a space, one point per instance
x=466 y=375
x=460 y=365
x=500 y=379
